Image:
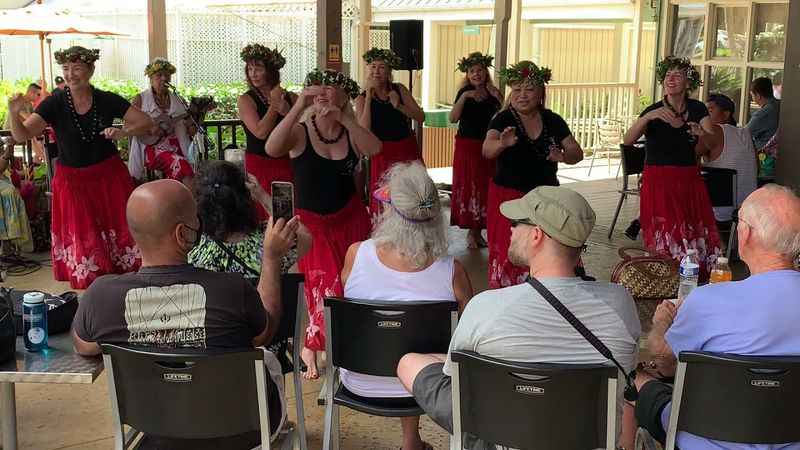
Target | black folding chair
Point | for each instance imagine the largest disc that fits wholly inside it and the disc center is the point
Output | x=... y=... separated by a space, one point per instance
x=370 y=337
x=187 y=395
x=722 y=187
x=742 y=399
x=293 y=301
x=632 y=163
x=533 y=405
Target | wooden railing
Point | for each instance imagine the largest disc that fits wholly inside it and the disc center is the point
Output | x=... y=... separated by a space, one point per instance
x=583 y=106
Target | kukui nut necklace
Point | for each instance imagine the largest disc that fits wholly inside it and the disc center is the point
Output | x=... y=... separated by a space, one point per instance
x=674 y=111
x=93 y=118
x=319 y=135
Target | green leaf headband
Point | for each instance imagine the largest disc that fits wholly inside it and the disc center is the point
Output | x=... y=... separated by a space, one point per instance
x=382 y=54
x=333 y=78
x=159 y=65
x=77 y=53
x=684 y=64
x=258 y=52
x=473 y=59
x=526 y=71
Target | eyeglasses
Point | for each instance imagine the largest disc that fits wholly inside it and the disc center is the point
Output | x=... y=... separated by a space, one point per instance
x=515 y=222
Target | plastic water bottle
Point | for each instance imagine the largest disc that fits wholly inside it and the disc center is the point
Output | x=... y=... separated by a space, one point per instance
x=721 y=272
x=34 y=321
x=689 y=271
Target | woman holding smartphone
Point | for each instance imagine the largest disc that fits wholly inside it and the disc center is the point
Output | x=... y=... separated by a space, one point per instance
x=324 y=141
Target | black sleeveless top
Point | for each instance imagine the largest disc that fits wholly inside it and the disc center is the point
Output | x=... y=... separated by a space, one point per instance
x=254 y=144
x=388 y=124
x=323 y=185
x=475 y=116
x=667 y=146
x=524 y=166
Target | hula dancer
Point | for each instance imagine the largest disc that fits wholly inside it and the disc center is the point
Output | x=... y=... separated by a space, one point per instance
x=261 y=109
x=675 y=210
x=476 y=103
x=324 y=140
x=528 y=141
x=386 y=109
x=91 y=187
x=166 y=147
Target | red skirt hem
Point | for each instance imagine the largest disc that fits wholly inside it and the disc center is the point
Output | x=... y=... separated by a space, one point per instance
x=471 y=176
x=502 y=273
x=332 y=235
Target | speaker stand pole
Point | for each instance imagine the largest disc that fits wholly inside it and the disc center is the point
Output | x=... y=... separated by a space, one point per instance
x=418 y=125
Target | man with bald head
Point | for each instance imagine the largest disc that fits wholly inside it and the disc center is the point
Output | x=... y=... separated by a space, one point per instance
x=169 y=303
x=757 y=316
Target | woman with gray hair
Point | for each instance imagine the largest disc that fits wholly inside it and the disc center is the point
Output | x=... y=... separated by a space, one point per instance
x=405 y=260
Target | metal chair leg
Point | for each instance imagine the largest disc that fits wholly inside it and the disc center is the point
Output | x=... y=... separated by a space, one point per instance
x=731 y=241
x=591 y=163
x=616 y=213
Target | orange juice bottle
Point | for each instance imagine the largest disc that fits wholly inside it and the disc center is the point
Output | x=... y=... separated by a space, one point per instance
x=721 y=271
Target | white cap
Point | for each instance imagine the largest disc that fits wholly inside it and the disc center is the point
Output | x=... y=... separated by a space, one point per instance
x=691 y=251
x=33 y=298
x=722 y=260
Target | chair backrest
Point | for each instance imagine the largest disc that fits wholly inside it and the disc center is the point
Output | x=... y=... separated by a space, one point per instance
x=732 y=398
x=291 y=288
x=632 y=159
x=610 y=133
x=721 y=185
x=187 y=395
x=370 y=336
x=531 y=405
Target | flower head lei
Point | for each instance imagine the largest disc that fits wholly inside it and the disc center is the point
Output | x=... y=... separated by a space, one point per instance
x=258 y=52
x=159 y=65
x=676 y=63
x=333 y=78
x=382 y=54
x=473 y=59
x=526 y=71
x=77 y=53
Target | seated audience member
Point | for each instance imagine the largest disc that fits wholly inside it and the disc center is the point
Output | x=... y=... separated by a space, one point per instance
x=736 y=152
x=764 y=122
x=757 y=316
x=14 y=225
x=406 y=259
x=169 y=303
x=550 y=226
x=225 y=205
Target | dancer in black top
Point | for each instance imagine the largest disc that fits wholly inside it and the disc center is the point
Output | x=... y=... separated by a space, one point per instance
x=324 y=140
x=261 y=109
x=387 y=108
x=476 y=103
x=528 y=141
x=91 y=187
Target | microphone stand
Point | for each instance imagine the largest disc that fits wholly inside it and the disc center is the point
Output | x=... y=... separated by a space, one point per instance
x=199 y=127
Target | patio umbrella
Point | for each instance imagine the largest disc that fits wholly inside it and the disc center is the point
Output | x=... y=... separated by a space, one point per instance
x=42 y=21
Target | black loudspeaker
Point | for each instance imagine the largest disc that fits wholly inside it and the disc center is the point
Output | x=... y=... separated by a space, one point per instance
x=405 y=37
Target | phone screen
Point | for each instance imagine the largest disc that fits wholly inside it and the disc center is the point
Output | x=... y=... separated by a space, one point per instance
x=282 y=200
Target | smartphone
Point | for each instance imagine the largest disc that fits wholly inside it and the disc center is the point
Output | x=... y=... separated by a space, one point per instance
x=282 y=200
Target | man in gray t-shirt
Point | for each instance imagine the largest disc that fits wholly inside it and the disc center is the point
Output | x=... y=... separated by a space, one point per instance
x=550 y=226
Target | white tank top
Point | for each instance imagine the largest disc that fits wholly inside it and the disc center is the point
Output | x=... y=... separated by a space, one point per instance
x=370 y=279
x=738 y=153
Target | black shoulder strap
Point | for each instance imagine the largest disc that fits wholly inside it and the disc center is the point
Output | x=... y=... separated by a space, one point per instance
x=233 y=256
x=630 y=389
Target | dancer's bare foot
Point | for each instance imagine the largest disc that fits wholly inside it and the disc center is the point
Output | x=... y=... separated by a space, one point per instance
x=475 y=239
x=309 y=357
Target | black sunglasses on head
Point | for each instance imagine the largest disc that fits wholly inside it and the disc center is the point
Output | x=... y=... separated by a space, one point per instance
x=515 y=222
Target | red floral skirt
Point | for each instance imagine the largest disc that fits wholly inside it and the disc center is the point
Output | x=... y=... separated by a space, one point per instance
x=332 y=235
x=391 y=152
x=502 y=272
x=676 y=214
x=471 y=176
x=89 y=231
x=167 y=158
x=266 y=170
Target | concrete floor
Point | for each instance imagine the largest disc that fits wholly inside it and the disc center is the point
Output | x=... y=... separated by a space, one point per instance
x=76 y=417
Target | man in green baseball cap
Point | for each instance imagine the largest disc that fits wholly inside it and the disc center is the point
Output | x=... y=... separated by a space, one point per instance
x=550 y=222
x=550 y=227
